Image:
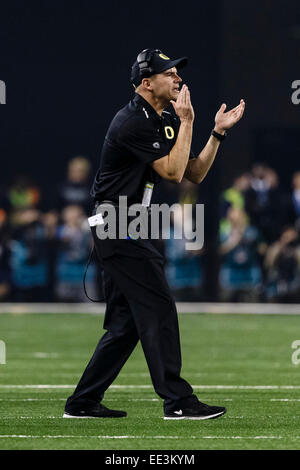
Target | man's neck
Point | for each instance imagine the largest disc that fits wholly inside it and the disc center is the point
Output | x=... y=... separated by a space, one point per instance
x=156 y=103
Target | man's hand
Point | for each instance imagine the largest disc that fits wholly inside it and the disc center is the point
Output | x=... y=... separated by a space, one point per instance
x=183 y=106
x=225 y=121
x=173 y=165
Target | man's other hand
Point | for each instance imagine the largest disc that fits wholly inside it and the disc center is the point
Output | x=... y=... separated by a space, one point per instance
x=227 y=120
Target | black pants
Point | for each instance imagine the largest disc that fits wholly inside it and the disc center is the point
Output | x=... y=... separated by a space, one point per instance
x=139 y=307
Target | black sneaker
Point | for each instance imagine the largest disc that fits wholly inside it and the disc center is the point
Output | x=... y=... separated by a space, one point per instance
x=98 y=411
x=196 y=411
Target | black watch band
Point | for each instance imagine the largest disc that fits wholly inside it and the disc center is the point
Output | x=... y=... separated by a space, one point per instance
x=220 y=137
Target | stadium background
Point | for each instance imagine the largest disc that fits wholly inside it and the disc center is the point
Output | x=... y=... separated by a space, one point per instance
x=66 y=67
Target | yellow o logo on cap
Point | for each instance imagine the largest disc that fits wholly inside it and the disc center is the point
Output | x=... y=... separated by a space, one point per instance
x=163 y=56
x=169 y=131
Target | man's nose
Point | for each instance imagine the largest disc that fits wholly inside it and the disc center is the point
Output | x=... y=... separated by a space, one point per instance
x=178 y=79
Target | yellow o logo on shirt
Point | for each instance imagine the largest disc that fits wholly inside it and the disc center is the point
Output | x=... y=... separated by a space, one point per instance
x=169 y=131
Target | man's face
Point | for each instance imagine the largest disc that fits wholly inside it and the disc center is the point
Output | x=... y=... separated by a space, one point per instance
x=165 y=85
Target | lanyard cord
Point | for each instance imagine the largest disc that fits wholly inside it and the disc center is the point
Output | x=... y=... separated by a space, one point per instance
x=85 y=273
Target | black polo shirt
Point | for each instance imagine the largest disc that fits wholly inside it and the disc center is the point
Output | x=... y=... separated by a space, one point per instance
x=136 y=137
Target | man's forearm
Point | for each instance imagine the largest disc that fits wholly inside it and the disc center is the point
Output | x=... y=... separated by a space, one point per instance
x=173 y=165
x=198 y=168
x=179 y=155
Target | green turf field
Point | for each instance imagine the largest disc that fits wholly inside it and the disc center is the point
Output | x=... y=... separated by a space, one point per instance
x=222 y=352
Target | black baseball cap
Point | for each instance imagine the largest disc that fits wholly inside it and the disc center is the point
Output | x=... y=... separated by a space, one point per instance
x=157 y=62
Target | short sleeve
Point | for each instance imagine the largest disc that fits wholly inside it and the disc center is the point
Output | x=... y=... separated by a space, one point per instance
x=144 y=142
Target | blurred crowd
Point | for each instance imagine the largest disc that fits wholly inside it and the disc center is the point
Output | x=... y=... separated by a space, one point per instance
x=259 y=238
x=258 y=248
x=45 y=242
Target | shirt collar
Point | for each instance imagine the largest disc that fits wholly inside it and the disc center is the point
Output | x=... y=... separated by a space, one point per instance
x=144 y=104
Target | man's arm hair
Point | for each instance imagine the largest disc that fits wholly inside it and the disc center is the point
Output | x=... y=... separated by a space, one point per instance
x=197 y=168
x=172 y=166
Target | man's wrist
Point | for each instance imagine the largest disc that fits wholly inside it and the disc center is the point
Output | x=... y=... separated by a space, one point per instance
x=219 y=130
x=187 y=121
x=217 y=135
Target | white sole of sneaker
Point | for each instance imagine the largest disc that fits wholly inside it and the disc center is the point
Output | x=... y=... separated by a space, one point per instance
x=194 y=417
x=65 y=415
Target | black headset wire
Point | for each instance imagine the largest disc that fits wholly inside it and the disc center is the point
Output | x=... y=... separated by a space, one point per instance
x=85 y=273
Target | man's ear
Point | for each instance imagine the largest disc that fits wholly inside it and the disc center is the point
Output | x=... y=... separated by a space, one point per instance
x=147 y=83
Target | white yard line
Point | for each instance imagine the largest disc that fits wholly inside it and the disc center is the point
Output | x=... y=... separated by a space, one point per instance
x=44 y=355
x=32 y=399
x=285 y=399
x=63 y=399
x=38 y=386
x=106 y=399
x=182 y=307
x=61 y=417
x=141 y=387
x=248 y=387
x=63 y=436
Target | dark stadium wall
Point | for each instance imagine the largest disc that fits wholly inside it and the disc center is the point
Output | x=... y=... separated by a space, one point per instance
x=66 y=67
x=259 y=61
x=67 y=64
